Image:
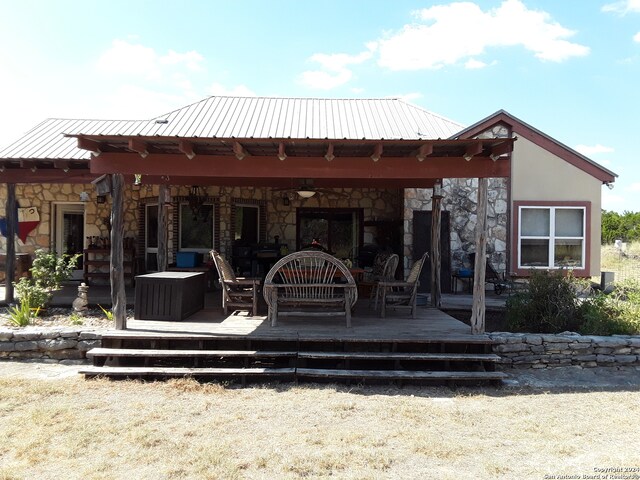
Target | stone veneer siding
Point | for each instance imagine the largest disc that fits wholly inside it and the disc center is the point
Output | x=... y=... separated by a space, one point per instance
x=517 y=350
x=460 y=200
x=280 y=218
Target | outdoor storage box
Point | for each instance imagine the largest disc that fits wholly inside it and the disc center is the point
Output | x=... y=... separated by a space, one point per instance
x=169 y=295
x=187 y=259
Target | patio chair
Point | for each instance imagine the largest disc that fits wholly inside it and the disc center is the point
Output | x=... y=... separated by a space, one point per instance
x=238 y=292
x=397 y=294
x=387 y=274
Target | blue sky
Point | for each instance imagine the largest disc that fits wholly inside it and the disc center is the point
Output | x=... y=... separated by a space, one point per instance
x=570 y=68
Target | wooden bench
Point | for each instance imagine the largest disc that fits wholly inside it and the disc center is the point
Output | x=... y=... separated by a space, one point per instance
x=309 y=283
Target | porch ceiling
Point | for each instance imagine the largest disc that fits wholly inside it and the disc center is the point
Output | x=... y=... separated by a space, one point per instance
x=284 y=162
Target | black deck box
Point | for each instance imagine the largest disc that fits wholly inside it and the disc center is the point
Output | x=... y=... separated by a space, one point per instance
x=169 y=295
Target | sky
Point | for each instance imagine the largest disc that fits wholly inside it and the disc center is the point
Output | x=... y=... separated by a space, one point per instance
x=570 y=68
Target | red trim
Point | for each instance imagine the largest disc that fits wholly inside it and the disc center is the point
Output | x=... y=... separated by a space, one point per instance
x=515 y=244
x=542 y=140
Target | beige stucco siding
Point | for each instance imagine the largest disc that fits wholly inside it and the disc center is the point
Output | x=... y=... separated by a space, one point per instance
x=538 y=175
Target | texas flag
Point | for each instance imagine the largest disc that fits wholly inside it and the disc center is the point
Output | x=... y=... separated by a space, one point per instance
x=28 y=220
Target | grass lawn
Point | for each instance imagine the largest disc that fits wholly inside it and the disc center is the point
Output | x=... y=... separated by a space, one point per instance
x=98 y=429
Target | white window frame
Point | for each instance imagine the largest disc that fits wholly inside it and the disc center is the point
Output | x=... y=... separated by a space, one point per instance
x=552 y=237
x=213 y=230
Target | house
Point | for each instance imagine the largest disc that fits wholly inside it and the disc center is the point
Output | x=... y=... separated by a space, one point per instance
x=243 y=174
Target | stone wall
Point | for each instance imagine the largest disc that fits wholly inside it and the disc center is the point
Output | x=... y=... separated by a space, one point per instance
x=48 y=343
x=526 y=350
x=460 y=200
x=281 y=218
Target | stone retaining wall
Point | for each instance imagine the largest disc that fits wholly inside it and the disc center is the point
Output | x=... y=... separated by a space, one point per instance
x=518 y=350
x=48 y=343
x=526 y=350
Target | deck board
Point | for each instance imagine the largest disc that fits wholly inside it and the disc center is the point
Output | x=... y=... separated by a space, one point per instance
x=430 y=325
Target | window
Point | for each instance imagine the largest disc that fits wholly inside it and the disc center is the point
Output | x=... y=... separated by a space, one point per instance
x=196 y=230
x=552 y=237
x=338 y=230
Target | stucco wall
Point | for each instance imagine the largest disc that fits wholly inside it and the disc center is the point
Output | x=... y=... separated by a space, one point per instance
x=538 y=175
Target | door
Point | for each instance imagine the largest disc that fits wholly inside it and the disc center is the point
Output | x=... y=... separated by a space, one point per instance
x=151 y=237
x=69 y=232
x=422 y=243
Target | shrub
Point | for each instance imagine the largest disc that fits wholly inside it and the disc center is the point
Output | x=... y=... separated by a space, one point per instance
x=47 y=274
x=550 y=304
x=615 y=314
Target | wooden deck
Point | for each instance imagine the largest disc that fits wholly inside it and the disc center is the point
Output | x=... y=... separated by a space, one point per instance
x=430 y=325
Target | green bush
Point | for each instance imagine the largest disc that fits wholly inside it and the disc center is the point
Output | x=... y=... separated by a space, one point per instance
x=549 y=305
x=615 y=314
x=554 y=303
x=47 y=274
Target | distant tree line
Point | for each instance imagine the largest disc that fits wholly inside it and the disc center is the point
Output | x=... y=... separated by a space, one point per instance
x=616 y=226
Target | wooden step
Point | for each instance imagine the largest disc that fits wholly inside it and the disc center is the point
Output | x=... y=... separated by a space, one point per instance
x=183 y=372
x=398 y=374
x=464 y=357
x=144 y=352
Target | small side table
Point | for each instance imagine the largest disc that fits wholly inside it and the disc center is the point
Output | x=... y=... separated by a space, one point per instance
x=457 y=276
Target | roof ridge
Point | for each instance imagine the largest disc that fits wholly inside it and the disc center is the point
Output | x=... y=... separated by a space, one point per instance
x=430 y=112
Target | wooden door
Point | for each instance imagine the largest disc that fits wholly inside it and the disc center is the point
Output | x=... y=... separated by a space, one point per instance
x=422 y=243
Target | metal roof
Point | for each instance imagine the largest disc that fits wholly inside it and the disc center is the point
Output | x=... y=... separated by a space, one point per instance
x=301 y=118
x=47 y=140
x=245 y=117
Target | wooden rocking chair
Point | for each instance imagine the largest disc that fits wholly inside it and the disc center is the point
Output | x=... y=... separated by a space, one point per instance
x=396 y=294
x=238 y=292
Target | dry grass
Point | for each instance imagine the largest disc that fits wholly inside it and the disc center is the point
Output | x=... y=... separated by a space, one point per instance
x=624 y=267
x=180 y=429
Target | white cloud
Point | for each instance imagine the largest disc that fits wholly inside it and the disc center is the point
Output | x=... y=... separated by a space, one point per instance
x=134 y=59
x=634 y=187
x=334 y=70
x=457 y=32
x=593 y=149
x=622 y=7
x=636 y=37
x=611 y=201
x=473 y=64
x=237 y=91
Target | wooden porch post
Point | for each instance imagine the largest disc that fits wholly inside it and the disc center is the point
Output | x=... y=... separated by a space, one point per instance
x=162 y=228
x=12 y=222
x=478 y=309
x=118 y=295
x=436 y=202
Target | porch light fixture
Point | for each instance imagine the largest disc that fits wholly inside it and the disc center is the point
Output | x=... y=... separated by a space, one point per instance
x=196 y=200
x=306 y=193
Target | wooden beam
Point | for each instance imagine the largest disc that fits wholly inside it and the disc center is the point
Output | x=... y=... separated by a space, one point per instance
x=11 y=212
x=405 y=168
x=63 y=165
x=377 y=152
x=478 y=307
x=472 y=150
x=501 y=149
x=239 y=151
x=51 y=175
x=118 y=295
x=139 y=146
x=329 y=155
x=186 y=147
x=436 y=261
x=91 y=145
x=424 y=151
x=282 y=154
x=163 y=227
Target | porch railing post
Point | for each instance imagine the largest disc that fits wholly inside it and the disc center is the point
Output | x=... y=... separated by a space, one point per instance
x=478 y=309
x=162 y=228
x=12 y=222
x=118 y=294
x=436 y=202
